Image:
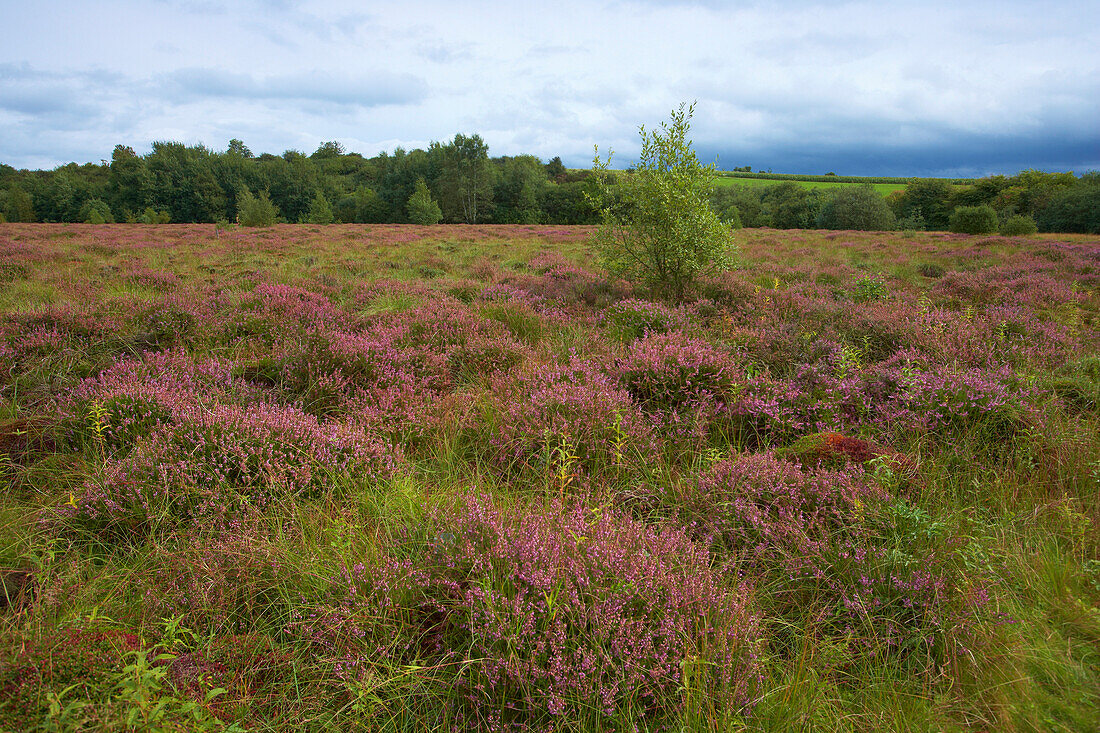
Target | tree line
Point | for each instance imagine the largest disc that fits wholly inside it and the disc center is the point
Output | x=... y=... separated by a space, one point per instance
x=453 y=182
x=458 y=182
x=1020 y=204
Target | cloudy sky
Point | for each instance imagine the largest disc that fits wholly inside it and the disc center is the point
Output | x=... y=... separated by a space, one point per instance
x=887 y=87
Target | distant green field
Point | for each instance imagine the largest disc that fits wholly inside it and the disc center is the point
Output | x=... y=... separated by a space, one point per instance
x=882 y=188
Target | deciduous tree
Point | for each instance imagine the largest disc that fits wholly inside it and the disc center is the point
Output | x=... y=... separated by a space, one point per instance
x=662 y=232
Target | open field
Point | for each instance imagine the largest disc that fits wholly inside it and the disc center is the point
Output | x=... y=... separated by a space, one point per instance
x=882 y=188
x=390 y=477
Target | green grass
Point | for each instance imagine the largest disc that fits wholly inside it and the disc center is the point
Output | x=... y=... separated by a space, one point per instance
x=881 y=188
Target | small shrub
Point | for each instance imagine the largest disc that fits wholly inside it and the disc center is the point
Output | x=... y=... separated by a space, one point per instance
x=869 y=288
x=96 y=211
x=211 y=462
x=255 y=211
x=669 y=371
x=421 y=207
x=973 y=220
x=1019 y=226
x=320 y=211
x=856 y=207
x=657 y=226
x=152 y=216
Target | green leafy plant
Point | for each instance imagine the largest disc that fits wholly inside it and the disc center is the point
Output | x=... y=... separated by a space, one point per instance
x=422 y=208
x=1018 y=226
x=657 y=225
x=974 y=220
x=320 y=212
x=255 y=211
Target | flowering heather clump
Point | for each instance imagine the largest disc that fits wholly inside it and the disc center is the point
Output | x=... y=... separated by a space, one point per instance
x=946 y=398
x=502 y=292
x=160 y=279
x=207 y=461
x=87 y=324
x=769 y=510
x=563 y=284
x=833 y=539
x=686 y=386
x=565 y=614
x=328 y=368
x=670 y=371
x=421 y=352
x=576 y=407
x=771 y=411
x=125 y=401
x=172 y=320
x=277 y=313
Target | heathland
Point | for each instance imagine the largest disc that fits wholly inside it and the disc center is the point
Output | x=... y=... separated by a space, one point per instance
x=398 y=477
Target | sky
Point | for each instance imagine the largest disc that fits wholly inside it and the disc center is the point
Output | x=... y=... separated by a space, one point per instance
x=893 y=87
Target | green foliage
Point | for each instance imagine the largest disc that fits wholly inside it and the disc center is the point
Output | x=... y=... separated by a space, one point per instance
x=364 y=206
x=422 y=208
x=745 y=201
x=130 y=184
x=96 y=211
x=183 y=182
x=663 y=233
x=255 y=211
x=913 y=223
x=856 y=207
x=569 y=203
x=974 y=220
x=517 y=191
x=466 y=180
x=319 y=211
x=928 y=198
x=197 y=184
x=1018 y=226
x=19 y=207
x=1074 y=209
x=152 y=216
x=330 y=149
x=791 y=206
x=733 y=218
x=555 y=168
x=238 y=148
x=141 y=699
x=870 y=287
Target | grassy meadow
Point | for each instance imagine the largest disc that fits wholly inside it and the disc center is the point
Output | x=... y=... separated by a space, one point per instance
x=881 y=188
x=390 y=477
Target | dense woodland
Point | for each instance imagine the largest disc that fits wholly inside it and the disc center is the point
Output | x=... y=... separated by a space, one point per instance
x=461 y=183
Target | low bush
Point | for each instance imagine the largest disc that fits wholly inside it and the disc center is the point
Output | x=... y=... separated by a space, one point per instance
x=1018 y=226
x=558 y=614
x=573 y=413
x=212 y=461
x=973 y=220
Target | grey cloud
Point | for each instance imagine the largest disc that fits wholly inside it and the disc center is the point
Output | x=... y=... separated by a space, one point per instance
x=951 y=155
x=57 y=100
